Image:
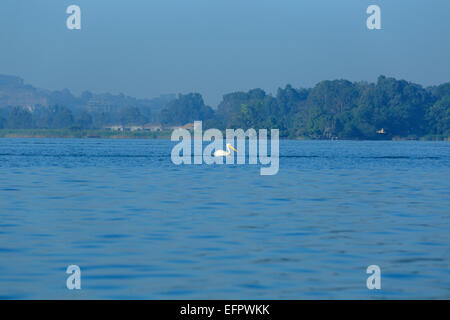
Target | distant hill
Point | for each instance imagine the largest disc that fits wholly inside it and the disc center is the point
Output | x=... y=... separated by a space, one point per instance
x=15 y=93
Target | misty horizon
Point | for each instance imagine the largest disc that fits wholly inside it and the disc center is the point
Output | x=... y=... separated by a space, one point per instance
x=145 y=49
x=175 y=94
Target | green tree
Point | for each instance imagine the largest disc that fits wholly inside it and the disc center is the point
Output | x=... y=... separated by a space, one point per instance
x=84 y=120
x=54 y=117
x=400 y=106
x=325 y=103
x=131 y=116
x=19 y=118
x=186 y=109
x=438 y=117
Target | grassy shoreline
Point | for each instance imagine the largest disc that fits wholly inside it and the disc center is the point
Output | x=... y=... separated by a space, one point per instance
x=68 y=133
x=104 y=134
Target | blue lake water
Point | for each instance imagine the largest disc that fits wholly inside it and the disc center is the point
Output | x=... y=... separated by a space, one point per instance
x=141 y=227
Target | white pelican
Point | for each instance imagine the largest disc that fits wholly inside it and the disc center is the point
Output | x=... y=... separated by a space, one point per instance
x=222 y=153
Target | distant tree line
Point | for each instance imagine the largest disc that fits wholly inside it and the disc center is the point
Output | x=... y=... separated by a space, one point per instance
x=61 y=117
x=332 y=109
x=343 y=109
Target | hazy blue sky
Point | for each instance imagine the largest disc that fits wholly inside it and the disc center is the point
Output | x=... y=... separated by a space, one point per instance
x=148 y=47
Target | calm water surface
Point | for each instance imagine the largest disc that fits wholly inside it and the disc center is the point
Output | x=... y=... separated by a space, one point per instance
x=140 y=227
